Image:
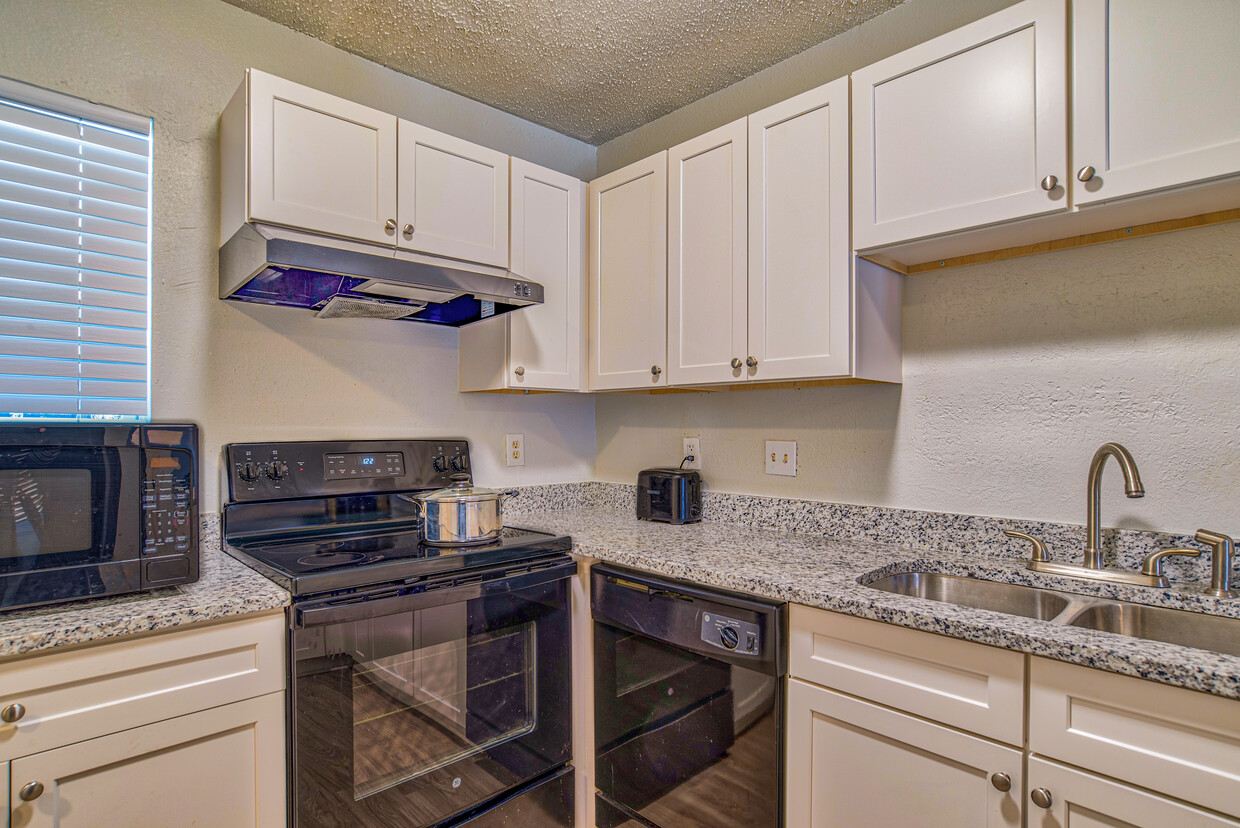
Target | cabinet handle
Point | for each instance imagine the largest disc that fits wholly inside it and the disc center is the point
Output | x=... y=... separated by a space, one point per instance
x=1049 y=183
x=1085 y=173
x=12 y=713
x=408 y=231
x=519 y=370
x=655 y=370
x=736 y=363
x=751 y=362
x=390 y=225
x=1042 y=797
x=1001 y=781
x=30 y=791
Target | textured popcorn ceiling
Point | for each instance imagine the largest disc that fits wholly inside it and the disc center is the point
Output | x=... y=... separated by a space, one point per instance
x=592 y=69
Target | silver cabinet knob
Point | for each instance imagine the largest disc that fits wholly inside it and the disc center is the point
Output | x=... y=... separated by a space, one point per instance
x=1085 y=173
x=390 y=225
x=12 y=713
x=407 y=230
x=1049 y=183
x=1001 y=781
x=30 y=791
x=736 y=363
x=1042 y=797
x=655 y=370
x=519 y=370
x=751 y=362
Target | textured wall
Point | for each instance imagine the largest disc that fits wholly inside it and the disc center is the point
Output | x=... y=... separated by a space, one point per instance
x=245 y=372
x=1014 y=372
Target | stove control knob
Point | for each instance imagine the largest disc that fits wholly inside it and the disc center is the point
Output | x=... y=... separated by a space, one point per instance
x=729 y=637
x=277 y=470
x=249 y=472
x=458 y=463
x=440 y=463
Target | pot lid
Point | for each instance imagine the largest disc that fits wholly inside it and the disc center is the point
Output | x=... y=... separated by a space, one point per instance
x=461 y=491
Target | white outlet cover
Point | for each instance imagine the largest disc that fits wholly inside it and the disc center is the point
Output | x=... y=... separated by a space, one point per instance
x=781 y=457
x=692 y=445
x=514 y=449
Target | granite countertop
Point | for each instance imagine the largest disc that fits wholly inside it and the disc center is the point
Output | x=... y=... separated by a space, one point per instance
x=225 y=588
x=823 y=572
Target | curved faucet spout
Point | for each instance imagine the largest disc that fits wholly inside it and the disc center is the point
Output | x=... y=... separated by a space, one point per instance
x=1093 y=506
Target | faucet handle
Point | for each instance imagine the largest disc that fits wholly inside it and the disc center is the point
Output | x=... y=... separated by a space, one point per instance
x=1221 y=547
x=1153 y=563
x=1039 y=548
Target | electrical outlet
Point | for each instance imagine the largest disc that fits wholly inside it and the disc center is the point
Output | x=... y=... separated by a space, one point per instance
x=692 y=446
x=514 y=449
x=781 y=457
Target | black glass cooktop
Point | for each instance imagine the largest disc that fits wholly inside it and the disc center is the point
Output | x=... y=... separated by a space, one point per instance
x=311 y=565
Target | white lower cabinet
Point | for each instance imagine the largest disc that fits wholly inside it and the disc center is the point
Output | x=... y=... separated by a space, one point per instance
x=223 y=766
x=853 y=764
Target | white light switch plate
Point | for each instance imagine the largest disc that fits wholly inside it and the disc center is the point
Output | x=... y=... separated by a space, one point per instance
x=514 y=451
x=692 y=446
x=781 y=457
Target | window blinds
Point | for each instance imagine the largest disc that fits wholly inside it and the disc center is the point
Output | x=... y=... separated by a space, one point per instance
x=75 y=209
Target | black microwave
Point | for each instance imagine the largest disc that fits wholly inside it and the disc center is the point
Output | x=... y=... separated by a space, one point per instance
x=90 y=510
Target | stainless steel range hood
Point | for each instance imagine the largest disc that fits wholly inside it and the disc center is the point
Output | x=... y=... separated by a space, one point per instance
x=334 y=278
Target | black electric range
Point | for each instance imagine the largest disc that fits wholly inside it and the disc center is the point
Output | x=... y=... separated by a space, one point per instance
x=463 y=652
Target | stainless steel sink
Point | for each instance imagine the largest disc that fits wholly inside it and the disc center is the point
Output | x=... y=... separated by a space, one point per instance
x=1013 y=599
x=1188 y=629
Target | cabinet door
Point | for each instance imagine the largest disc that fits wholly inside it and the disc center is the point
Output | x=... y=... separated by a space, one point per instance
x=547 y=341
x=1156 y=94
x=320 y=163
x=223 y=766
x=1082 y=800
x=959 y=131
x=706 y=260
x=799 y=278
x=853 y=764
x=452 y=197
x=628 y=277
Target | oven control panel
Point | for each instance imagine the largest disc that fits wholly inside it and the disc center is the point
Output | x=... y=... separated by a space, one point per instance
x=276 y=471
x=740 y=637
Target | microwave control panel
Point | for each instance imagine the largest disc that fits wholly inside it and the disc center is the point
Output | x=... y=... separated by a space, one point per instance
x=167 y=493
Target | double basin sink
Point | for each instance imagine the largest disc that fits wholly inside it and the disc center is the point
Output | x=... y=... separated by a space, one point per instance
x=1189 y=629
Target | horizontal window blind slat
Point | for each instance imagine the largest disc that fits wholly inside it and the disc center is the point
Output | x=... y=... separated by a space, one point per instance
x=72 y=202
x=20 y=133
x=70 y=239
x=34 y=366
x=113 y=317
x=116 y=140
x=68 y=295
x=38 y=123
x=71 y=331
x=28 y=309
x=74 y=165
x=70 y=275
x=113 y=371
x=116 y=389
x=53 y=348
x=53 y=386
x=137 y=408
x=113 y=336
x=134 y=355
x=65 y=183
x=11 y=403
x=72 y=220
x=83 y=259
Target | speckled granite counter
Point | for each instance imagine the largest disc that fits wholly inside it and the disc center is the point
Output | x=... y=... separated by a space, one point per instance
x=224 y=589
x=825 y=572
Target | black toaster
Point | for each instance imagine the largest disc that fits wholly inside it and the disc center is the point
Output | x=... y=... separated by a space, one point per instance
x=669 y=495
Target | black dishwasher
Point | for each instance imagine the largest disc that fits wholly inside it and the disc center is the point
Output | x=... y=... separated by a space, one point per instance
x=689 y=684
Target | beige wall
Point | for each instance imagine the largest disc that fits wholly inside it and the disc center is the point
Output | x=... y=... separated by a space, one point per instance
x=246 y=372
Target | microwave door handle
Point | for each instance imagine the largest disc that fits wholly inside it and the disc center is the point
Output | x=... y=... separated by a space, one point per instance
x=334 y=611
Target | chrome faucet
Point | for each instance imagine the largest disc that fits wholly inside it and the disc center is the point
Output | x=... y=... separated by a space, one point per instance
x=1093 y=496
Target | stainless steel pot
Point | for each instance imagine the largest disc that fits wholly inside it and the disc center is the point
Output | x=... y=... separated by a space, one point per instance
x=461 y=515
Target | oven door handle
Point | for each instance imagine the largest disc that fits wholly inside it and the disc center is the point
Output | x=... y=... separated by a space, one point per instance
x=344 y=610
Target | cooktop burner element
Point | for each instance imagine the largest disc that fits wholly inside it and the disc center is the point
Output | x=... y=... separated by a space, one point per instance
x=320 y=517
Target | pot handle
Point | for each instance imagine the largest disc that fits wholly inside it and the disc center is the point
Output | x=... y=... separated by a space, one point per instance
x=416 y=501
x=504 y=496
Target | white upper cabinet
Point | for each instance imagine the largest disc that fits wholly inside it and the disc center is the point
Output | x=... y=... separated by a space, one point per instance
x=800 y=296
x=628 y=277
x=1156 y=94
x=706 y=258
x=317 y=162
x=963 y=131
x=540 y=347
x=452 y=197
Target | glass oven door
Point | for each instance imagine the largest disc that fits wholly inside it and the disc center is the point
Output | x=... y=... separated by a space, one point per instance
x=412 y=705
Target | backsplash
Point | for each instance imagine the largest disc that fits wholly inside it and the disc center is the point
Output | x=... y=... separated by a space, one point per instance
x=915 y=530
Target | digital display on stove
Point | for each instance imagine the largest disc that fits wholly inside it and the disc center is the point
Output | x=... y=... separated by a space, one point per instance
x=363 y=464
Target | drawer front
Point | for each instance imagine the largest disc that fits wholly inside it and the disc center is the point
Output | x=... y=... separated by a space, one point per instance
x=959 y=683
x=1178 y=742
x=104 y=689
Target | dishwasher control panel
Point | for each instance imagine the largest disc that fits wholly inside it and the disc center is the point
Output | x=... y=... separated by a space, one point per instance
x=740 y=637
